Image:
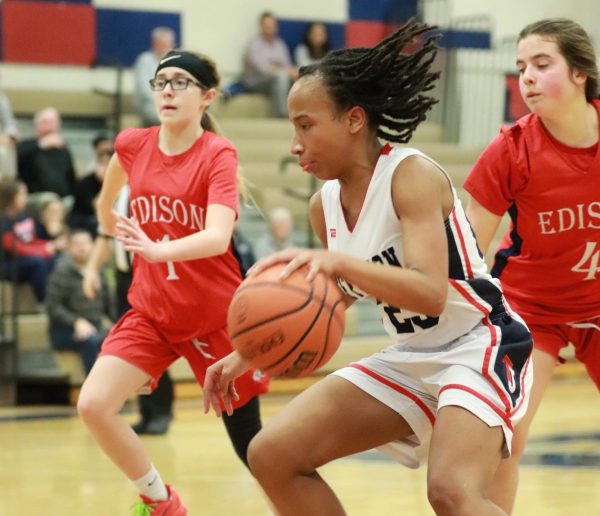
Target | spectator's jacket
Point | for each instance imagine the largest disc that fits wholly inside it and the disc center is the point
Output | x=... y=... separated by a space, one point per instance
x=65 y=301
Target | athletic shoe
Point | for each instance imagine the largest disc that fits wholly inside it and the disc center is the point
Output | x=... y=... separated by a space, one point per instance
x=172 y=506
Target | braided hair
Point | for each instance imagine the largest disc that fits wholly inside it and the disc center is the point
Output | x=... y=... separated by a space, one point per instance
x=385 y=81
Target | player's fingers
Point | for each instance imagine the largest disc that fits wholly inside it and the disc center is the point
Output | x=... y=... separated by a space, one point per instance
x=207 y=389
x=262 y=264
x=233 y=392
x=123 y=230
x=216 y=405
x=294 y=264
x=281 y=256
x=228 y=404
x=313 y=270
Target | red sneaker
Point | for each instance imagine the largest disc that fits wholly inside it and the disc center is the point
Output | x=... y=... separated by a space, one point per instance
x=172 y=506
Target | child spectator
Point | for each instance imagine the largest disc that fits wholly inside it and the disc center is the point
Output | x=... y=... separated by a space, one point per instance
x=27 y=257
x=51 y=225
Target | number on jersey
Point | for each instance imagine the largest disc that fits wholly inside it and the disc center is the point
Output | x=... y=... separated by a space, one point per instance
x=589 y=261
x=171 y=274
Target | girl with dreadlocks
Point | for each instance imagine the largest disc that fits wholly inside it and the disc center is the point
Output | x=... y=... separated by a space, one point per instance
x=456 y=377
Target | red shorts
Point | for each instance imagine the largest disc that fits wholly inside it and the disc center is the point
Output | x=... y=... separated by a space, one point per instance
x=138 y=341
x=585 y=337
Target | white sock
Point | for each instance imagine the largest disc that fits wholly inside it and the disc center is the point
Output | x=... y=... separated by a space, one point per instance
x=151 y=485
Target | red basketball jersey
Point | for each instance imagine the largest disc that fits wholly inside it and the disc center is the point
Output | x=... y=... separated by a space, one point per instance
x=169 y=197
x=549 y=260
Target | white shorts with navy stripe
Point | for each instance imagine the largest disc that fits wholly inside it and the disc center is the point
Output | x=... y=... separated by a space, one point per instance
x=487 y=372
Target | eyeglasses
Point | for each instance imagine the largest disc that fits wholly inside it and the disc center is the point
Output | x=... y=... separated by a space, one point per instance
x=107 y=152
x=177 y=84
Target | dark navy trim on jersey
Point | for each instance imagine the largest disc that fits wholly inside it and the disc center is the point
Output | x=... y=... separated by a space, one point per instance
x=502 y=256
x=514 y=350
x=456 y=269
x=488 y=292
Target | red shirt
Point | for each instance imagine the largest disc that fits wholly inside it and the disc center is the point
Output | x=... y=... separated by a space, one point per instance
x=549 y=261
x=169 y=197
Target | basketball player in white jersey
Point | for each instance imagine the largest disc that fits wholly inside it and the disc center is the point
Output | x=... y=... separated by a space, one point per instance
x=455 y=379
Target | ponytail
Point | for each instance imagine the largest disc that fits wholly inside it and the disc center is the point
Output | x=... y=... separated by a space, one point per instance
x=209 y=123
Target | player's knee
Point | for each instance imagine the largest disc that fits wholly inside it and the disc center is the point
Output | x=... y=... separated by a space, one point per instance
x=448 y=496
x=260 y=456
x=90 y=409
x=269 y=458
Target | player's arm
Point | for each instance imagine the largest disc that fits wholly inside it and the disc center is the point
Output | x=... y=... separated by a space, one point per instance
x=484 y=223
x=213 y=240
x=418 y=193
x=98 y=257
x=317 y=221
x=114 y=180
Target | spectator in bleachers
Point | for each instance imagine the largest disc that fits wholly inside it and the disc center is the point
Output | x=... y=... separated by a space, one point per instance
x=315 y=45
x=76 y=322
x=45 y=163
x=26 y=258
x=162 y=41
x=279 y=236
x=9 y=135
x=51 y=224
x=267 y=66
x=83 y=214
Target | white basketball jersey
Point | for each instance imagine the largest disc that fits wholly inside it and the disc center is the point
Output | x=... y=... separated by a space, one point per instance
x=377 y=237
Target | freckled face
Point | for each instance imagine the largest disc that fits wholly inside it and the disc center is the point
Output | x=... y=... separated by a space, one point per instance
x=545 y=80
x=321 y=137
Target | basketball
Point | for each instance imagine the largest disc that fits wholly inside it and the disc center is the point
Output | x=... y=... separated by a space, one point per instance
x=286 y=328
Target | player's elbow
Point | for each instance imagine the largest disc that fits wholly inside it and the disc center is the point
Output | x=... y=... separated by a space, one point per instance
x=436 y=308
x=436 y=301
x=221 y=245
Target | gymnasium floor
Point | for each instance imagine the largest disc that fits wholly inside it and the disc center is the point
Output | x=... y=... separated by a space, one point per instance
x=50 y=466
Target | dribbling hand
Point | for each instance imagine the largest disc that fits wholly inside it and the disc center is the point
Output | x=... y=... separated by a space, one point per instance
x=315 y=259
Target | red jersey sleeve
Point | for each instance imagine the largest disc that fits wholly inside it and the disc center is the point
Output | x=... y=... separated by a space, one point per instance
x=127 y=145
x=222 y=181
x=499 y=174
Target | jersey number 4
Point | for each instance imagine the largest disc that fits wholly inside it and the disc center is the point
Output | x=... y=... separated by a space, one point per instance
x=589 y=261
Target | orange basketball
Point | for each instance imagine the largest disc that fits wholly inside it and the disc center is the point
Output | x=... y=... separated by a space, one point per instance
x=286 y=328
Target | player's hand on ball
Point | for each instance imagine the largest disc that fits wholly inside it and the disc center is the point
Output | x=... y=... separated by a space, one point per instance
x=315 y=259
x=219 y=383
x=134 y=239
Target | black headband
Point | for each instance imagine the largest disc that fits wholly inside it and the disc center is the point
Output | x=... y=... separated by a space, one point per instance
x=192 y=64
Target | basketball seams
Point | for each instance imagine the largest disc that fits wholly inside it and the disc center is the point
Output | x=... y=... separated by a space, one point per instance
x=278 y=316
x=307 y=331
